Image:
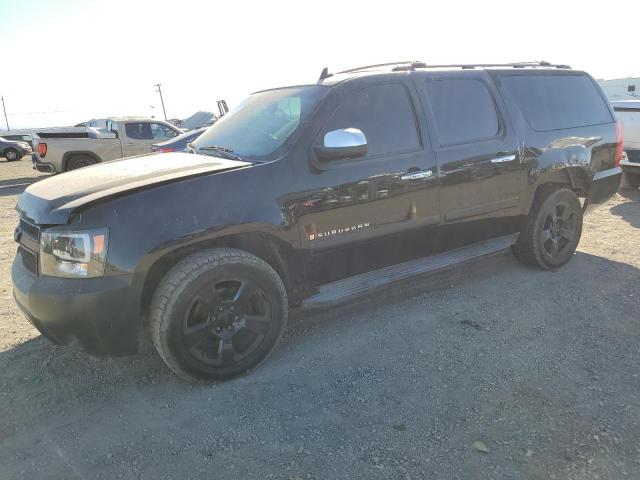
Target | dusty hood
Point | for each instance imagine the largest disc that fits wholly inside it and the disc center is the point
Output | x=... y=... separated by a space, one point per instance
x=50 y=201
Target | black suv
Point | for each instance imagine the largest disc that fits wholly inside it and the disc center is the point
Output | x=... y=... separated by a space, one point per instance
x=310 y=196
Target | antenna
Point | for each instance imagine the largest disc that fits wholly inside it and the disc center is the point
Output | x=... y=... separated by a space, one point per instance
x=324 y=74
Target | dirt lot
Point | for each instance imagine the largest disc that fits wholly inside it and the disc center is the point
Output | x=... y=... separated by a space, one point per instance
x=541 y=367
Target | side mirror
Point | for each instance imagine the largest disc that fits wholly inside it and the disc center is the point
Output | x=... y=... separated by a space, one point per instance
x=342 y=144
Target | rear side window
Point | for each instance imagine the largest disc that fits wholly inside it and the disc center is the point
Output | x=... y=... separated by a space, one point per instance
x=138 y=131
x=554 y=102
x=463 y=110
x=384 y=114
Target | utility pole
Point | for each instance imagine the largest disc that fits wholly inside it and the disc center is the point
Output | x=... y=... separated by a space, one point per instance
x=5 y=114
x=159 y=85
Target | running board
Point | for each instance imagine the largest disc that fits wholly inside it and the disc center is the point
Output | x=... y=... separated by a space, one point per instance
x=342 y=291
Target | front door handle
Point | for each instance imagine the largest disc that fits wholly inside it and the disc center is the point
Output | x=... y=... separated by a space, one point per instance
x=417 y=175
x=504 y=158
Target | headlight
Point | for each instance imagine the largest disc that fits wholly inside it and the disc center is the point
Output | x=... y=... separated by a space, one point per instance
x=25 y=145
x=73 y=254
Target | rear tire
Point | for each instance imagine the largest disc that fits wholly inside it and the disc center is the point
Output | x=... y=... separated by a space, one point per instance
x=630 y=181
x=553 y=229
x=218 y=313
x=11 y=155
x=80 y=161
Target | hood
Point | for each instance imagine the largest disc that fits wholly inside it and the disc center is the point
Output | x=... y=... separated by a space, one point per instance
x=52 y=200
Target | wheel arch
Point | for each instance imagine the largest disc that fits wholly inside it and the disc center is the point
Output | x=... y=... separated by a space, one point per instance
x=575 y=178
x=267 y=247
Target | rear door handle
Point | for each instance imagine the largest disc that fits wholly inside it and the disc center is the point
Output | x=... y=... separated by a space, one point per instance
x=417 y=175
x=504 y=158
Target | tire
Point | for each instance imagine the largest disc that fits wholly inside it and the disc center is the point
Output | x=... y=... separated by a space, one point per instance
x=79 y=161
x=553 y=229
x=630 y=181
x=11 y=155
x=217 y=314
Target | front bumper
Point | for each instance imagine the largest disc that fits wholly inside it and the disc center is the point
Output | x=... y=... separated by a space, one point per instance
x=100 y=314
x=605 y=183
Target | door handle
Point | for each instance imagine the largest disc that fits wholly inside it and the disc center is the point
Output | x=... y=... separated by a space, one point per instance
x=417 y=175
x=504 y=158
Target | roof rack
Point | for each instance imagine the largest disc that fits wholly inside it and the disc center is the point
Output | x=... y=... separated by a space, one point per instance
x=470 y=66
x=414 y=63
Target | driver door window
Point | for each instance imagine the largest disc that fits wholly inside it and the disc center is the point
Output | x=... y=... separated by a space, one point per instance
x=384 y=114
x=161 y=132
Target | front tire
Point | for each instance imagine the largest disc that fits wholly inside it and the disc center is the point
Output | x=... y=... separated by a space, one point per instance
x=218 y=313
x=553 y=229
x=11 y=155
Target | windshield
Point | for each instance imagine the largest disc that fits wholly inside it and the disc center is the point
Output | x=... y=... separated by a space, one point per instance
x=261 y=124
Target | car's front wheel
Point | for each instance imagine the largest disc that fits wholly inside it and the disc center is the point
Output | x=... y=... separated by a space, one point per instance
x=217 y=314
x=553 y=229
x=11 y=155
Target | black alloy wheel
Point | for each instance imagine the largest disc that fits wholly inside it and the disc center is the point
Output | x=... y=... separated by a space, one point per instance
x=226 y=321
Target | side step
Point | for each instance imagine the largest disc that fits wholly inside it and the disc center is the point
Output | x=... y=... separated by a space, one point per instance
x=342 y=291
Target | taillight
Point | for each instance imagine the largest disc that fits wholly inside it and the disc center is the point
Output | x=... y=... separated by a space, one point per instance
x=166 y=150
x=42 y=150
x=619 y=143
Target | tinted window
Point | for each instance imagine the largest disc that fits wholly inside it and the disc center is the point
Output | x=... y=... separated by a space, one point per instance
x=385 y=116
x=463 y=110
x=161 y=132
x=138 y=131
x=552 y=102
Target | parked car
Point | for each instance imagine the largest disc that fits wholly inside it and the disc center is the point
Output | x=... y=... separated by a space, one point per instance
x=63 y=149
x=179 y=143
x=13 y=150
x=19 y=137
x=628 y=113
x=310 y=196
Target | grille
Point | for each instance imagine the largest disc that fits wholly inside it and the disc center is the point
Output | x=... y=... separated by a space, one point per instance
x=30 y=229
x=633 y=155
x=29 y=260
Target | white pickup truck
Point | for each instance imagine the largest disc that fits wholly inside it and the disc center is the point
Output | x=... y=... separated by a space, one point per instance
x=628 y=113
x=59 y=150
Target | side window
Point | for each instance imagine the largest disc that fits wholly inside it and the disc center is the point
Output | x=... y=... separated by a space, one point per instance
x=161 y=132
x=552 y=102
x=383 y=113
x=463 y=110
x=138 y=131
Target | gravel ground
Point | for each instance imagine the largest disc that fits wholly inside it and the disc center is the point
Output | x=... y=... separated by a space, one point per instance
x=538 y=366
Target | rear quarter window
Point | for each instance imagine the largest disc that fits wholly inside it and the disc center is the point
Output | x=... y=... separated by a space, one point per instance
x=555 y=102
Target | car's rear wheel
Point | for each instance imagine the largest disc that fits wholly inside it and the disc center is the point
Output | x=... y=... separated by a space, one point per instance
x=11 y=155
x=630 y=181
x=80 y=161
x=553 y=229
x=218 y=313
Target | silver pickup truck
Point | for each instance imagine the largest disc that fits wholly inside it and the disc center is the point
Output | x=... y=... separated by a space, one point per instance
x=59 y=150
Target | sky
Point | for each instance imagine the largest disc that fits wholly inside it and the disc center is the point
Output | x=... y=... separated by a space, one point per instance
x=66 y=61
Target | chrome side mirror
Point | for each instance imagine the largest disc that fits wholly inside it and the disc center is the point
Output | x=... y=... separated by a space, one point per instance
x=342 y=144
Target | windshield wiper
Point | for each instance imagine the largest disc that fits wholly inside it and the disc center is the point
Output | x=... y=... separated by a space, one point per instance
x=225 y=152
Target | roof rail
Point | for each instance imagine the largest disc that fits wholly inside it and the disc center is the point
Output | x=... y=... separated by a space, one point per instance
x=414 y=63
x=466 y=66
